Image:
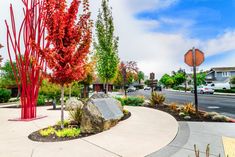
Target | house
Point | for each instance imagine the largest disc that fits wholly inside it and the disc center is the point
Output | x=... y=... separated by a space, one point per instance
x=98 y=86
x=220 y=74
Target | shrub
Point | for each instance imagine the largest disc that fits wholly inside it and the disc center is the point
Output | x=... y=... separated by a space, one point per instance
x=68 y=132
x=66 y=123
x=131 y=101
x=5 y=95
x=41 y=100
x=220 y=118
x=173 y=107
x=47 y=132
x=76 y=115
x=188 y=108
x=157 y=99
x=225 y=90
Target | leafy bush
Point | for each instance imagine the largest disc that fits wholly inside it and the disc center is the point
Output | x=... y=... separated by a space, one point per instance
x=225 y=90
x=182 y=88
x=50 y=90
x=5 y=95
x=66 y=123
x=131 y=101
x=188 y=108
x=173 y=107
x=157 y=99
x=41 y=100
x=68 y=132
x=47 y=132
x=76 y=115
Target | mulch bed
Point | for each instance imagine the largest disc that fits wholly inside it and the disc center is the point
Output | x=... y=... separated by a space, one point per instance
x=36 y=136
x=194 y=117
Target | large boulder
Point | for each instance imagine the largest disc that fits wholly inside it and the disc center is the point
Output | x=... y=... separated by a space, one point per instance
x=73 y=103
x=100 y=114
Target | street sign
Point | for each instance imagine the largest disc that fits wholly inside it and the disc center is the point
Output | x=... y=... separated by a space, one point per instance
x=152 y=76
x=194 y=58
x=189 y=57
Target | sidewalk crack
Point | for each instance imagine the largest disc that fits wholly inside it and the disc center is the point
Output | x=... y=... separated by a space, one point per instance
x=101 y=148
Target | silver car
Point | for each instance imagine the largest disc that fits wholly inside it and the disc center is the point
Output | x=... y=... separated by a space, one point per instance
x=204 y=89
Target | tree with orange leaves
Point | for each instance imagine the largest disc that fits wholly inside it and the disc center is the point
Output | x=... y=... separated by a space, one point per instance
x=69 y=40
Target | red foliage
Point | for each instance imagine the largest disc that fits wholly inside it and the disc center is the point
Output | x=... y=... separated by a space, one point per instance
x=69 y=39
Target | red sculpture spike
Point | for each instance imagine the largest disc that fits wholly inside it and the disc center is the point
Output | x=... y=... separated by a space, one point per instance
x=26 y=45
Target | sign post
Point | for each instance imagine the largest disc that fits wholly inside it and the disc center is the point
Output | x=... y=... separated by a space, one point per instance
x=152 y=77
x=194 y=58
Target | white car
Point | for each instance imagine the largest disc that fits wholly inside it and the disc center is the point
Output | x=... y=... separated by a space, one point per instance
x=131 y=89
x=204 y=89
x=219 y=86
x=147 y=88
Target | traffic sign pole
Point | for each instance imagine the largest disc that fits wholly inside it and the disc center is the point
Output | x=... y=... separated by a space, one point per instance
x=195 y=80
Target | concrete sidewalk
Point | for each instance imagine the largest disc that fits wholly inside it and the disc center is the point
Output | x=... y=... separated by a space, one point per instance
x=146 y=131
x=201 y=134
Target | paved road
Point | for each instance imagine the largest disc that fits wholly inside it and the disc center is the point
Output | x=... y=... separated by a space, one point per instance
x=218 y=103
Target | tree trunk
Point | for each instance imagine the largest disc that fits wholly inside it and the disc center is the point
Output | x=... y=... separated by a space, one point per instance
x=62 y=106
x=70 y=90
x=107 y=88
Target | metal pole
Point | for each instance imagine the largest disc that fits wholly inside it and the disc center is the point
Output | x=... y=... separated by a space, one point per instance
x=195 y=80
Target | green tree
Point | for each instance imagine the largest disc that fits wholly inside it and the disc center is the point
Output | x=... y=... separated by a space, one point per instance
x=201 y=77
x=140 y=76
x=179 y=78
x=232 y=80
x=7 y=75
x=106 y=46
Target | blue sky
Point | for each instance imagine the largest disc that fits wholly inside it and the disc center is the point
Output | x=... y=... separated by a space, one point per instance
x=202 y=19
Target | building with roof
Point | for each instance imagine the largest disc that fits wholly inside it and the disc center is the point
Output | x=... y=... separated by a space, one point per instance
x=220 y=74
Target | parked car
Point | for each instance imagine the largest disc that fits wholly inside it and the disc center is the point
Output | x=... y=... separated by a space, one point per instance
x=147 y=88
x=218 y=86
x=158 y=88
x=131 y=89
x=204 y=89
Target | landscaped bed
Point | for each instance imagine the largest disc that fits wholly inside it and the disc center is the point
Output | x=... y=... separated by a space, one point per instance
x=201 y=117
x=181 y=112
x=71 y=131
x=184 y=112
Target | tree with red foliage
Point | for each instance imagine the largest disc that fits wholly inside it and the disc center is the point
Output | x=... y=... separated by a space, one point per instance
x=25 y=46
x=126 y=73
x=69 y=40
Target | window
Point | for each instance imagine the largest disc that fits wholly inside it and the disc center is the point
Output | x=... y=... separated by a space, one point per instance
x=225 y=74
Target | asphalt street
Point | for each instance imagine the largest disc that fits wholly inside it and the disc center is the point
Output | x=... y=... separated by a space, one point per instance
x=218 y=103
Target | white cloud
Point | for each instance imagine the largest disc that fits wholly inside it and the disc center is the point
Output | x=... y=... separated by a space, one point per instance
x=157 y=52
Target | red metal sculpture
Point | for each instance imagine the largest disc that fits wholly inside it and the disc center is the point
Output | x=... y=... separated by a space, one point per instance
x=25 y=45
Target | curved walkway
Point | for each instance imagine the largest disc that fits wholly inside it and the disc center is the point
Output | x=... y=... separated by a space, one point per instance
x=146 y=131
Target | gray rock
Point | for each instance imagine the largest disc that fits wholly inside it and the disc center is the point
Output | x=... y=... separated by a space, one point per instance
x=73 y=103
x=100 y=114
x=99 y=95
x=187 y=117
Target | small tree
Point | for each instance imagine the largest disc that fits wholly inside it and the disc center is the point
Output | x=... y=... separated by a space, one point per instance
x=128 y=72
x=69 y=42
x=106 y=46
x=140 y=76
